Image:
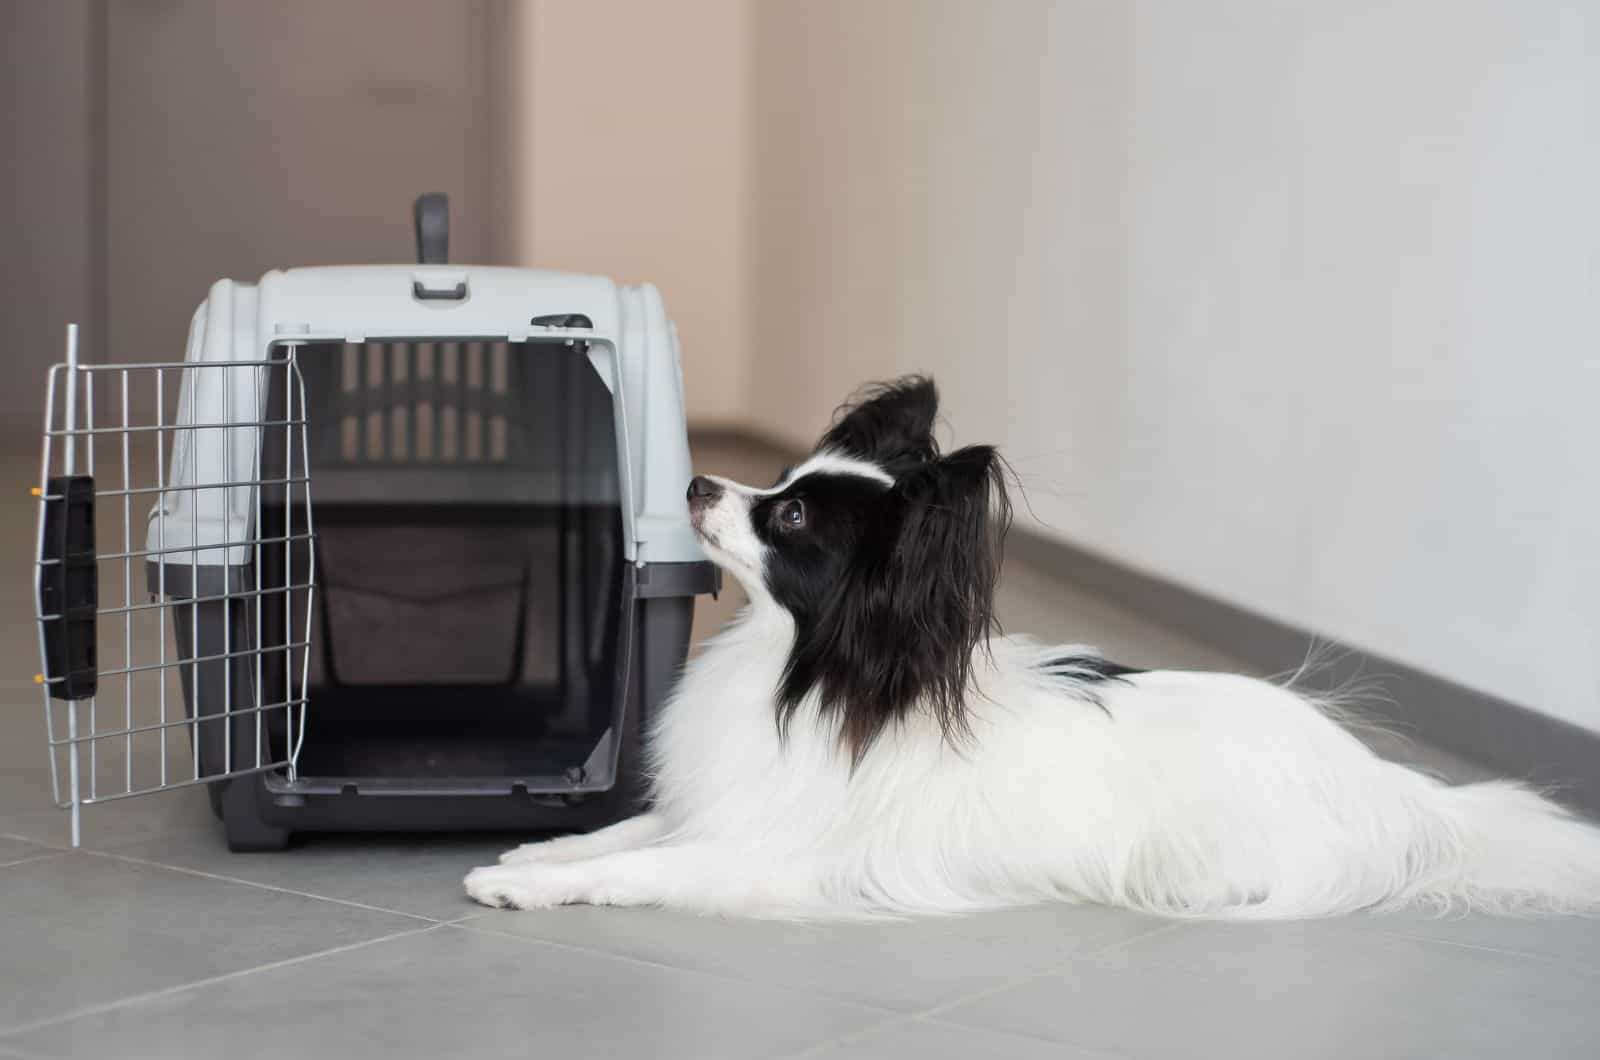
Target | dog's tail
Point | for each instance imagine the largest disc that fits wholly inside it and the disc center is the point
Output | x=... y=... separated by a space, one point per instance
x=1498 y=847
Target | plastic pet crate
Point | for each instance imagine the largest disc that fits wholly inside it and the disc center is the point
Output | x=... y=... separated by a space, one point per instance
x=393 y=548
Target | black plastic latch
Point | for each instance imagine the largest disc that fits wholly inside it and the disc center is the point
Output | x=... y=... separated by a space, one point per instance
x=69 y=587
x=565 y=320
x=676 y=579
x=562 y=320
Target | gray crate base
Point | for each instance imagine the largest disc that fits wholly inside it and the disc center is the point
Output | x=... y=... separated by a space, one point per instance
x=262 y=812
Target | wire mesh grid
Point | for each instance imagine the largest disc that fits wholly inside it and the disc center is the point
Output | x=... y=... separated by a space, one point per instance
x=204 y=550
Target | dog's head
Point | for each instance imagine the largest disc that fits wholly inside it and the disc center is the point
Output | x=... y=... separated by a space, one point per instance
x=884 y=551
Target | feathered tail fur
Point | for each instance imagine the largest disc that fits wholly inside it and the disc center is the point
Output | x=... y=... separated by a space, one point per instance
x=1498 y=847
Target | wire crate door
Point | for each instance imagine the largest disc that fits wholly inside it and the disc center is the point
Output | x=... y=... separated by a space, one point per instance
x=175 y=575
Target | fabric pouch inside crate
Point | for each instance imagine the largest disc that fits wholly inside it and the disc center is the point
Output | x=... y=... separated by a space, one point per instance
x=425 y=605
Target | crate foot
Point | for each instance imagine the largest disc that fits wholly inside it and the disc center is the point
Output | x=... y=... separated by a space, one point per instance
x=241 y=820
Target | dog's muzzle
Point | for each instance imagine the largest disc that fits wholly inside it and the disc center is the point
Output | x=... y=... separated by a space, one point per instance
x=703 y=494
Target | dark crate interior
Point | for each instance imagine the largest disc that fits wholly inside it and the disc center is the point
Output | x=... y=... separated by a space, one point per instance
x=468 y=613
x=461 y=641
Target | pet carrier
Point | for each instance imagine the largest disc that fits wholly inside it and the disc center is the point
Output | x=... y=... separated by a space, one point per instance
x=418 y=556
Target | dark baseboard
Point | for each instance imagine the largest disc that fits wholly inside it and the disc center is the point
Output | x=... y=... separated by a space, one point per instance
x=1504 y=737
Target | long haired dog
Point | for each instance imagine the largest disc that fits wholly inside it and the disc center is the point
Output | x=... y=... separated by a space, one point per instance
x=855 y=743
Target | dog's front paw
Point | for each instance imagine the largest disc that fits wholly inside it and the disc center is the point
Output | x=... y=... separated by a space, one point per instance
x=512 y=887
x=527 y=853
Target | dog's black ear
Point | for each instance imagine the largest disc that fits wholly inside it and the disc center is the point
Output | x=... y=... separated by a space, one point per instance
x=890 y=424
x=900 y=634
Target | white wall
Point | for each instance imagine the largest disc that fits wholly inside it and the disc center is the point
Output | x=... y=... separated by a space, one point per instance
x=633 y=164
x=1292 y=303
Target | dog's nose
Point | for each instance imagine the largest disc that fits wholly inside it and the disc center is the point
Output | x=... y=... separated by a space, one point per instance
x=703 y=492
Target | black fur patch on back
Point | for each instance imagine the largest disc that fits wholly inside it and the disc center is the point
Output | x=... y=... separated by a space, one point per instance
x=1090 y=667
x=1084 y=673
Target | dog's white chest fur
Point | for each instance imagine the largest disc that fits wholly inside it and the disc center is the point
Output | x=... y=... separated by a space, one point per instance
x=901 y=826
x=720 y=767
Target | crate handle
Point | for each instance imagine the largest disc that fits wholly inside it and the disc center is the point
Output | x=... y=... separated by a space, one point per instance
x=436 y=286
x=432 y=214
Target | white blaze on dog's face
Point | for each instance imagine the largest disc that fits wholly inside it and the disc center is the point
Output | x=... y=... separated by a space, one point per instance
x=743 y=529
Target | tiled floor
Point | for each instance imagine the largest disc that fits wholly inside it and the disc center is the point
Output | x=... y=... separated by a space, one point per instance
x=153 y=940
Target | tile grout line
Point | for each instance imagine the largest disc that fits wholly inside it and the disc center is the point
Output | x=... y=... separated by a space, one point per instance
x=1055 y=967
x=260 y=886
x=17 y=837
x=111 y=852
x=29 y=860
x=60 y=848
x=56 y=850
x=460 y=920
x=1499 y=951
x=125 y=1002
x=844 y=1039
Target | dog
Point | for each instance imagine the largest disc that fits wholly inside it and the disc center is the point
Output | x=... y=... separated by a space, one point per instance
x=860 y=741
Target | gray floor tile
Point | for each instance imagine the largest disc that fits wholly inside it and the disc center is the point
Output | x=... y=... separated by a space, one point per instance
x=904 y=965
x=460 y=994
x=420 y=875
x=81 y=930
x=1302 y=990
x=931 y=1040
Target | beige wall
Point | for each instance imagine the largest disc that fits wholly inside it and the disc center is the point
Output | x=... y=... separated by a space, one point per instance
x=1290 y=302
x=47 y=243
x=246 y=136
x=633 y=164
x=597 y=135
x=150 y=148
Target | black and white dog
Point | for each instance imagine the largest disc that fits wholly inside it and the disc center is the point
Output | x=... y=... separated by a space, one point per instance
x=855 y=743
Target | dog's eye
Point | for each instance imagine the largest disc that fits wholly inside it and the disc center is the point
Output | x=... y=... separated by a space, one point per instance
x=792 y=514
